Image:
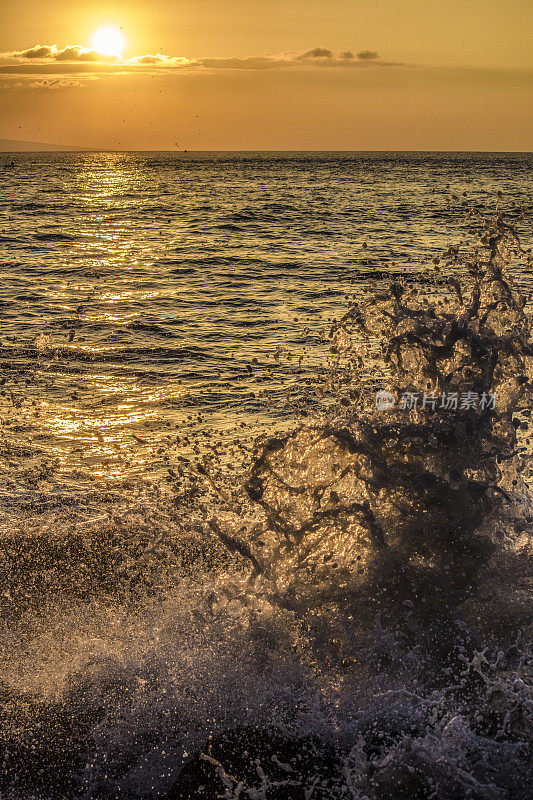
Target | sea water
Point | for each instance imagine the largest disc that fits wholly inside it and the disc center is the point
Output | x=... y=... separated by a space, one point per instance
x=209 y=529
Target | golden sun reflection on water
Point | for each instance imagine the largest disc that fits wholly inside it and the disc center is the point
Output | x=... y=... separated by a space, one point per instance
x=101 y=435
x=110 y=425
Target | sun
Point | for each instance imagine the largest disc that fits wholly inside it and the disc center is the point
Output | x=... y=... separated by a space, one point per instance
x=108 y=42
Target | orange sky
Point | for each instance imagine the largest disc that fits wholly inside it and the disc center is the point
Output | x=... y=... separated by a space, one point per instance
x=267 y=74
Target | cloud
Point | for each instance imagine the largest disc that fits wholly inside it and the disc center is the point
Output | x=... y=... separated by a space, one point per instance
x=76 y=53
x=58 y=83
x=367 y=55
x=50 y=52
x=316 y=52
x=323 y=54
x=44 y=84
x=38 y=51
x=159 y=60
x=42 y=58
x=316 y=57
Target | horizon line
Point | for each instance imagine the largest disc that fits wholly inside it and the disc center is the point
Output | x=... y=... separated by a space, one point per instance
x=52 y=148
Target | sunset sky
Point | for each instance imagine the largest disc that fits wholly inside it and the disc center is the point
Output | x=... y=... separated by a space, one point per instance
x=269 y=74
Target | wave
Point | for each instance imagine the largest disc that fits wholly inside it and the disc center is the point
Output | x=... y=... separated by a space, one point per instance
x=53 y=237
x=135 y=356
x=31 y=206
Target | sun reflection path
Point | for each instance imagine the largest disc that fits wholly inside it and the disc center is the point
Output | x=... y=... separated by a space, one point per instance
x=114 y=420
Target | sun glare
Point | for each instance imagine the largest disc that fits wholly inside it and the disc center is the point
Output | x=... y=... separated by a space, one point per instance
x=108 y=42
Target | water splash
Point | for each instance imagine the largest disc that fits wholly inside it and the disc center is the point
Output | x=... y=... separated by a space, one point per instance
x=391 y=505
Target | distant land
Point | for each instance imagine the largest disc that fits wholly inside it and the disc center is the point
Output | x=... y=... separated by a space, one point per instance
x=19 y=145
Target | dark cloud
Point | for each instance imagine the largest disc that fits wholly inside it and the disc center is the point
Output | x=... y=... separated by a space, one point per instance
x=160 y=60
x=38 y=51
x=322 y=53
x=316 y=52
x=50 y=52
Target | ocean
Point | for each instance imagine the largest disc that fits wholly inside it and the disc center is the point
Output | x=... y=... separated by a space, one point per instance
x=216 y=554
